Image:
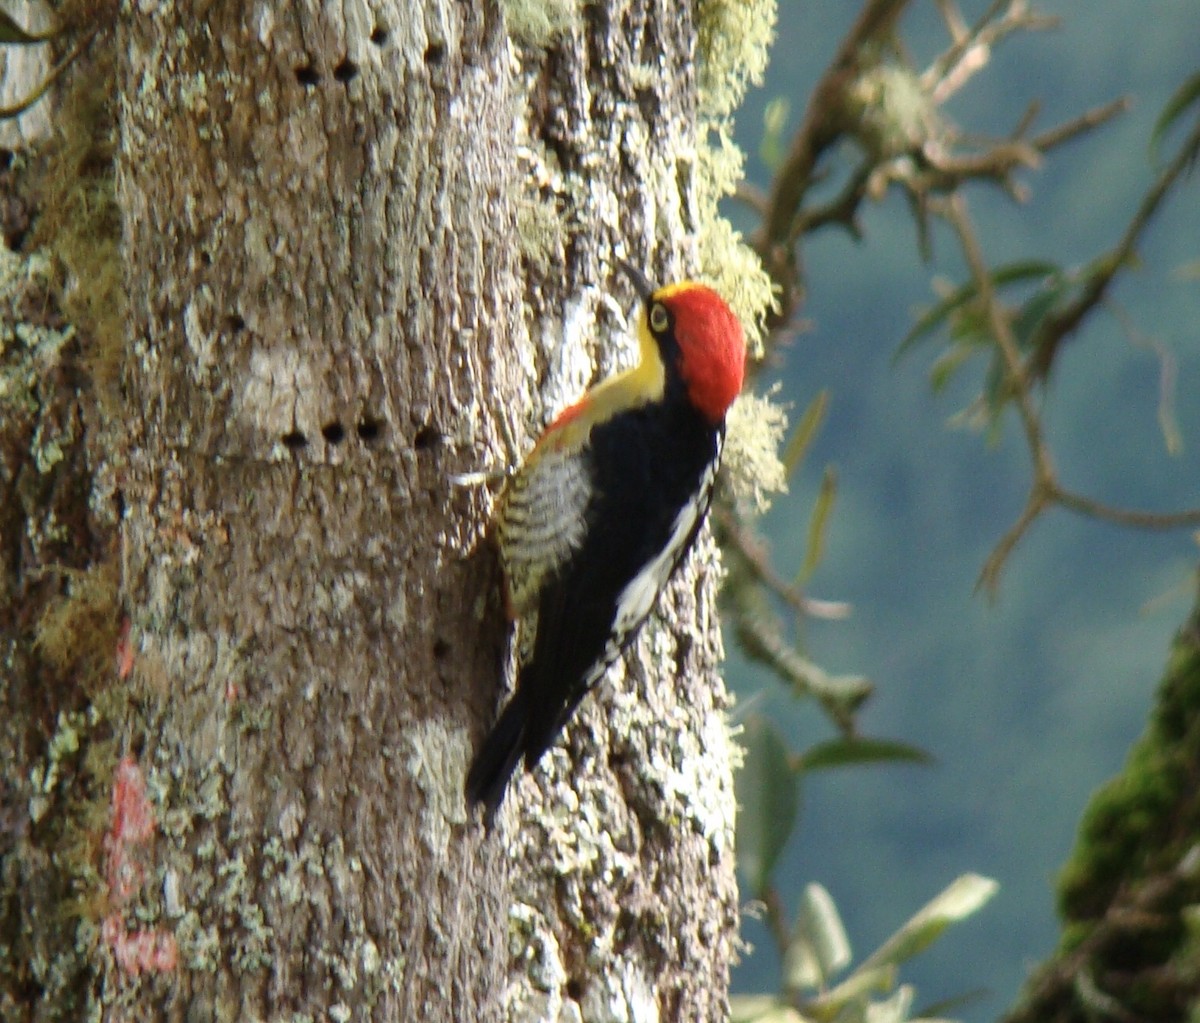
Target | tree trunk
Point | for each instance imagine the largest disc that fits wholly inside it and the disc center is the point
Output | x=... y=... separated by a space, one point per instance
x=1128 y=893
x=366 y=246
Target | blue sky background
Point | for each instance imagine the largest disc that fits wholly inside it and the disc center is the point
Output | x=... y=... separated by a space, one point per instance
x=1030 y=702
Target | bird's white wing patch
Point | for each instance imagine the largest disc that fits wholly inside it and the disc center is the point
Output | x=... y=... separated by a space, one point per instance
x=637 y=599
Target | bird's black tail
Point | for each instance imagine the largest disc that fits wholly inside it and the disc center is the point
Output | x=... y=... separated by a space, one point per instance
x=497 y=758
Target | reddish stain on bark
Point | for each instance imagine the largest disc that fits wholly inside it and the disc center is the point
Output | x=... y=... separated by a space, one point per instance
x=125 y=847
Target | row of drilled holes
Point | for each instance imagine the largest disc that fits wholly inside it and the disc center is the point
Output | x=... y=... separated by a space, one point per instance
x=368 y=430
x=346 y=69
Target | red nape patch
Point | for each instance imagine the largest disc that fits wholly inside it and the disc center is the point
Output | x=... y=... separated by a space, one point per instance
x=566 y=415
x=712 y=348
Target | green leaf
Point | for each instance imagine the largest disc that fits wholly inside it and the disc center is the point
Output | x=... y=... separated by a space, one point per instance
x=768 y=796
x=819 y=949
x=964 y=896
x=761 y=1009
x=1183 y=97
x=855 y=990
x=947 y=364
x=806 y=429
x=818 y=524
x=857 y=750
x=951 y=1006
x=775 y=116
x=12 y=33
x=933 y=318
x=1041 y=303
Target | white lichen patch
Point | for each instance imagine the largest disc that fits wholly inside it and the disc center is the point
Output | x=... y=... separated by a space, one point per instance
x=437 y=759
x=274 y=387
x=201 y=339
x=702 y=783
x=570 y=368
x=621 y=994
x=532 y=942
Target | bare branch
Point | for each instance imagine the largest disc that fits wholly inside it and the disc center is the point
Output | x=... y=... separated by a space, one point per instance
x=1124 y=516
x=824 y=123
x=1080 y=125
x=1059 y=326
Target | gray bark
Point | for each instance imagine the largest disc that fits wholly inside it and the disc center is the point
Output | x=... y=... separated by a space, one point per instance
x=367 y=246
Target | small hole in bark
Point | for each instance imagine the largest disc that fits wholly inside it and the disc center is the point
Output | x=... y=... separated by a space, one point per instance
x=426 y=438
x=294 y=440
x=379 y=35
x=440 y=649
x=574 y=989
x=346 y=71
x=370 y=429
x=334 y=433
x=435 y=54
x=307 y=75
x=235 y=323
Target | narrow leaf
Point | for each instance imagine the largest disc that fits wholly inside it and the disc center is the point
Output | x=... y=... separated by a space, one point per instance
x=806 y=429
x=947 y=364
x=818 y=524
x=963 y=897
x=1040 y=305
x=855 y=989
x=937 y=314
x=1183 y=97
x=768 y=796
x=893 y=1009
x=820 y=920
x=775 y=116
x=948 y=1007
x=761 y=1009
x=854 y=751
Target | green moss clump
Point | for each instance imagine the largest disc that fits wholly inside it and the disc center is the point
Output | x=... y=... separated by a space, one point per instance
x=1129 y=893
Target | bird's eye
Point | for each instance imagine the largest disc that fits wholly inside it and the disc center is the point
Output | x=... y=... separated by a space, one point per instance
x=658 y=318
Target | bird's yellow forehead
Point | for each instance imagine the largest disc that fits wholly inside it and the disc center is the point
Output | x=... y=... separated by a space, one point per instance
x=664 y=293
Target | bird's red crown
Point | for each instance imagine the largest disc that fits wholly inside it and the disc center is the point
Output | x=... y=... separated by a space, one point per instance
x=712 y=347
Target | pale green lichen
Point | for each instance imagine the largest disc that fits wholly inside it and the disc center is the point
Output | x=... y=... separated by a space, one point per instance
x=538 y=23
x=29 y=350
x=43 y=778
x=733 y=37
x=751 y=466
x=437 y=760
x=895 y=112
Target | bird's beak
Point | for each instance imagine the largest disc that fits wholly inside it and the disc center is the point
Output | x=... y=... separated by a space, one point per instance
x=640 y=283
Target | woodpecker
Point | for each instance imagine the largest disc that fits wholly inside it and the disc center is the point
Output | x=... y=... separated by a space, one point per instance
x=597 y=518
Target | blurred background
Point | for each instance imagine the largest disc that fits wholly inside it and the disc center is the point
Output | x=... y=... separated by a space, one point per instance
x=1029 y=702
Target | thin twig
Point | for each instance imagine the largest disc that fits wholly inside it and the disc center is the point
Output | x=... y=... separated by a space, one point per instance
x=55 y=73
x=1060 y=325
x=1045 y=490
x=954 y=208
x=1124 y=516
x=1085 y=122
x=823 y=125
